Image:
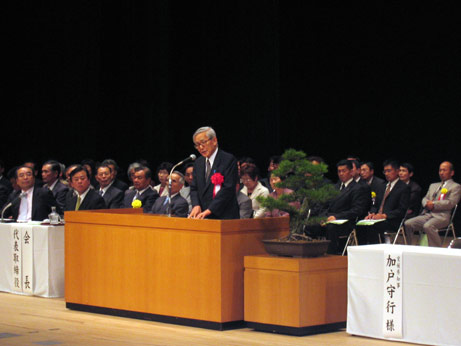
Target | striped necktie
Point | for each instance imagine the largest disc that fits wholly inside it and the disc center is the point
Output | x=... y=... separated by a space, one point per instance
x=208 y=169
x=388 y=190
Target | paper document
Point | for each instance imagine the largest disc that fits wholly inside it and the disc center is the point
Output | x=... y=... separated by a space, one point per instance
x=337 y=222
x=368 y=222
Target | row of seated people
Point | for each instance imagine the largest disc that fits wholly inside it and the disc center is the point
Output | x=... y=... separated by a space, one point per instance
x=387 y=203
x=78 y=191
x=363 y=195
x=32 y=200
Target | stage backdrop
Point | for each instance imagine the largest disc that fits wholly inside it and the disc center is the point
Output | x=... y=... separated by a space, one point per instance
x=134 y=79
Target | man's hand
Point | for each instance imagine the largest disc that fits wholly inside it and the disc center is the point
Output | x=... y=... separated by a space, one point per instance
x=370 y=216
x=379 y=216
x=204 y=214
x=194 y=212
x=429 y=205
x=331 y=218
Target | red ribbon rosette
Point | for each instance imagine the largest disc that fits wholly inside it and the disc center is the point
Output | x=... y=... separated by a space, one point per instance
x=217 y=179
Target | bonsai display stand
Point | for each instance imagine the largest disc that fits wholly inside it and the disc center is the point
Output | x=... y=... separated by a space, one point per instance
x=296 y=296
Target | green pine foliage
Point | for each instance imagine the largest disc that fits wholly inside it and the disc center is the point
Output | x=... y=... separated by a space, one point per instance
x=311 y=190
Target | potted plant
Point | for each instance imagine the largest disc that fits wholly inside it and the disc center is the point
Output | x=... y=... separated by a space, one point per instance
x=310 y=191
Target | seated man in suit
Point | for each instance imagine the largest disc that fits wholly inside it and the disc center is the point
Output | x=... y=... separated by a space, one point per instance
x=175 y=202
x=405 y=174
x=51 y=170
x=438 y=203
x=84 y=197
x=350 y=204
x=142 y=190
x=367 y=173
x=245 y=204
x=188 y=176
x=33 y=165
x=355 y=169
x=390 y=207
x=30 y=202
x=215 y=177
x=119 y=184
x=112 y=195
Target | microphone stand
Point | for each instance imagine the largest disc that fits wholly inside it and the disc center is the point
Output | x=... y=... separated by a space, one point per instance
x=169 y=188
x=4 y=209
x=191 y=157
x=21 y=195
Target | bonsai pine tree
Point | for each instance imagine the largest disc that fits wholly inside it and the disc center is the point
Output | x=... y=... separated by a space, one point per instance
x=310 y=191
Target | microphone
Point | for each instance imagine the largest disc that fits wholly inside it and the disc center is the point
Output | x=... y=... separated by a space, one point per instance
x=191 y=157
x=21 y=195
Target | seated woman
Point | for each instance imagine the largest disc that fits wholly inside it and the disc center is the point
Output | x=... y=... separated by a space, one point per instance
x=253 y=188
x=276 y=193
x=163 y=171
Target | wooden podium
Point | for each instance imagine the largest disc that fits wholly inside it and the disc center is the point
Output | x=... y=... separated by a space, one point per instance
x=173 y=270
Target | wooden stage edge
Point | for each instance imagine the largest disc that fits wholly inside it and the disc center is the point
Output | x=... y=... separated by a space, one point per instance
x=189 y=322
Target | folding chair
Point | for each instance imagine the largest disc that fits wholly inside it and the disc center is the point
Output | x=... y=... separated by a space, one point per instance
x=455 y=243
x=450 y=225
x=351 y=240
x=400 y=231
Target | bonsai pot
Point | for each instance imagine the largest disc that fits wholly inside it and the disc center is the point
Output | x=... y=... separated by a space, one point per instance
x=298 y=248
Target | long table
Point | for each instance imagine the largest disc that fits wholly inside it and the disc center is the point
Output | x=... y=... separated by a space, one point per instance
x=32 y=259
x=430 y=281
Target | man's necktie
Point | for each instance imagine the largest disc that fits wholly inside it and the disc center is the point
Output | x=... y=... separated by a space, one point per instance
x=388 y=190
x=77 y=205
x=101 y=193
x=342 y=187
x=208 y=169
x=23 y=207
x=434 y=196
x=136 y=196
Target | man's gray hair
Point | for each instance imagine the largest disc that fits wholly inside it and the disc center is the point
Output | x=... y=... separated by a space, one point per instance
x=132 y=166
x=181 y=176
x=209 y=132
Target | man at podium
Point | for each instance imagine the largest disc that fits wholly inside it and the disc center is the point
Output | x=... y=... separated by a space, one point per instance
x=214 y=181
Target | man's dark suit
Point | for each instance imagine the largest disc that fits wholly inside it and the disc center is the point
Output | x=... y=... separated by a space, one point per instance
x=3 y=195
x=120 y=185
x=91 y=201
x=6 y=183
x=60 y=192
x=377 y=185
x=179 y=206
x=414 y=206
x=352 y=202
x=113 y=197
x=147 y=198
x=224 y=205
x=395 y=208
x=42 y=201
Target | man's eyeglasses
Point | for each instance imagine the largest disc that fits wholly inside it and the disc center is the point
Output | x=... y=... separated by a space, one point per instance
x=202 y=143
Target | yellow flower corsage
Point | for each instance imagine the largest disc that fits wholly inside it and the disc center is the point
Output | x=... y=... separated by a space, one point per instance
x=443 y=191
x=373 y=194
x=136 y=203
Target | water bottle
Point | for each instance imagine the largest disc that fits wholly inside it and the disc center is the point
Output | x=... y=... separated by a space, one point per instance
x=54 y=217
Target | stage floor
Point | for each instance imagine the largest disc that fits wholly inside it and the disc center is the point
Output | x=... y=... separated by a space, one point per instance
x=26 y=320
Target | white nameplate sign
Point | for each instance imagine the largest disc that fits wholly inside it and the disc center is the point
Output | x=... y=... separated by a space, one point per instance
x=392 y=302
